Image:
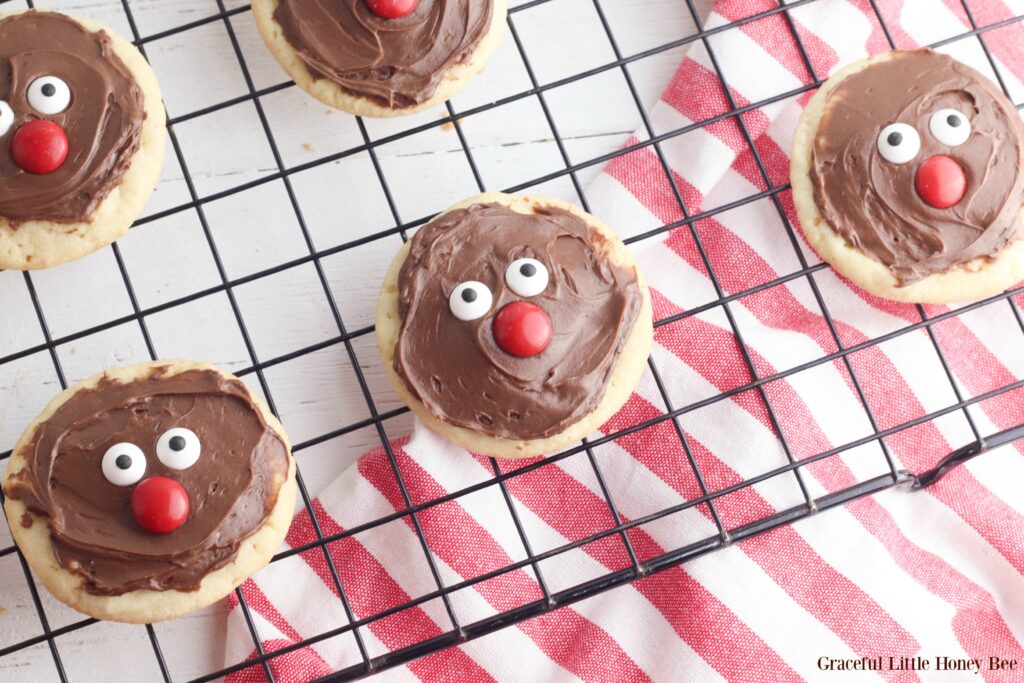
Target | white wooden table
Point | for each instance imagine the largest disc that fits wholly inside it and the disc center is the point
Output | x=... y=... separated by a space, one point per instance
x=170 y=258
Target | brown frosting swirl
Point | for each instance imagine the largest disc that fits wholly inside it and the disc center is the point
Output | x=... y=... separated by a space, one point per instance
x=396 y=62
x=232 y=488
x=103 y=122
x=457 y=369
x=873 y=203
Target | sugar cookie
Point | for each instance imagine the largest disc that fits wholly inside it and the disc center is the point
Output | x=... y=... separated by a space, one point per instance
x=381 y=58
x=82 y=130
x=150 y=491
x=908 y=177
x=514 y=325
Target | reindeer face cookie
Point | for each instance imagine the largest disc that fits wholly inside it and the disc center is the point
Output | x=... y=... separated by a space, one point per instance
x=917 y=163
x=515 y=319
x=381 y=57
x=81 y=137
x=149 y=480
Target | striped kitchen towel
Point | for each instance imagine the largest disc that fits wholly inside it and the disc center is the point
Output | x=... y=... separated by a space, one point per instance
x=932 y=574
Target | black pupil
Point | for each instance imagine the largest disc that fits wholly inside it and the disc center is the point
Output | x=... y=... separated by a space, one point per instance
x=953 y=120
x=528 y=270
x=895 y=139
x=123 y=462
x=49 y=89
x=469 y=295
x=177 y=443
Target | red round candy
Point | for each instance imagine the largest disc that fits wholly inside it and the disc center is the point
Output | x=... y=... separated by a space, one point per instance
x=39 y=147
x=522 y=330
x=160 y=505
x=392 y=9
x=940 y=181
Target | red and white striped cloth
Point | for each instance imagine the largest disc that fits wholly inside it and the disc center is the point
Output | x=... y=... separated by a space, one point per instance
x=932 y=573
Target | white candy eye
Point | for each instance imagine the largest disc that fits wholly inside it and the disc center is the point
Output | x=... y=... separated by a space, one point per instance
x=470 y=300
x=49 y=95
x=527 y=277
x=6 y=117
x=950 y=127
x=898 y=143
x=178 y=448
x=124 y=464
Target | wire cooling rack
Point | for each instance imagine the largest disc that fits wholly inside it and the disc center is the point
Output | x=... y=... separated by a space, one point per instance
x=346 y=338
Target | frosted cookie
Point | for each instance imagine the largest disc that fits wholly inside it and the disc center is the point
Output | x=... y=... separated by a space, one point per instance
x=514 y=326
x=381 y=58
x=908 y=177
x=82 y=133
x=150 y=491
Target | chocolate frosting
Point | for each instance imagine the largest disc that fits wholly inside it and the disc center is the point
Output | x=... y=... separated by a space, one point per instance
x=102 y=123
x=232 y=488
x=457 y=369
x=396 y=62
x=873 y=203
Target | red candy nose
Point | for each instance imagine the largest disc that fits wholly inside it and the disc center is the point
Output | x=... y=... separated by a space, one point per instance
x=39 y=147
x=940 y=181
x=392 y=9
x=160 y=505
x=522 y=329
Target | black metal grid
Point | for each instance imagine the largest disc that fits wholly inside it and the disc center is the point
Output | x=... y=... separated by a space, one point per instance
x=460 y=633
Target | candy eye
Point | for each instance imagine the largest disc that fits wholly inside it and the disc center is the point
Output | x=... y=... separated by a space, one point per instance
x=124 y=464
x=49 y=95
x=950 y=127
x=178 y=448
x=6 y=117
x=527 y=277
x=898 y=143
x=470 y=300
